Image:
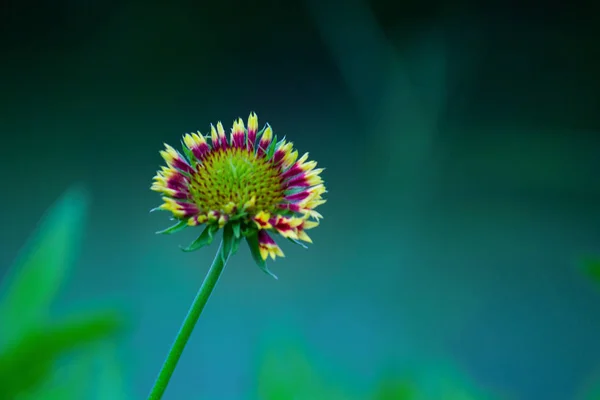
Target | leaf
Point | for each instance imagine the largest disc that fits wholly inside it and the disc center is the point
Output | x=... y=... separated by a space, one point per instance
x=179 y=226
x=35 y=278
x=27 y=362
x=252 y=240
x=205 y=239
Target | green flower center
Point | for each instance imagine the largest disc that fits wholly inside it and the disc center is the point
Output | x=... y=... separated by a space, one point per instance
x=236 y=175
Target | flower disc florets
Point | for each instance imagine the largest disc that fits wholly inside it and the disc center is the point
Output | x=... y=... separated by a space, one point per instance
x=233 y=177
x=248 y=185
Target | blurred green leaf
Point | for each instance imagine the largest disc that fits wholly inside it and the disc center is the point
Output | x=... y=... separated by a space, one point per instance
x=109 y=379
x=35 y=278
x=32 y=347
x=70 y=380
x=440 y=378
x=392 y=388
x=591 y=267
x=286 y=372
x=28 y=362
x=589 y=389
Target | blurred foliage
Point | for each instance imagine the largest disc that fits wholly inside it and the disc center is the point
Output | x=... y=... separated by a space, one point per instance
x=395 y=388
x=72 y=359
x=590 y=390
x=32 y=345
x=286 y=371
x=591 y=267
x=44 y=359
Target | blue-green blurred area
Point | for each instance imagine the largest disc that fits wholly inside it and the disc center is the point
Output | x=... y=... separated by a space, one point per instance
x=461 y=149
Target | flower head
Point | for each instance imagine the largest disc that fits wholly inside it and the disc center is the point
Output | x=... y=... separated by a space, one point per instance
x=250 y=185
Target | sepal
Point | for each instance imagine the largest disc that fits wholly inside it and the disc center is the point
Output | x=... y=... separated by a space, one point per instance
x=252 y=240
x=181 y=225
x=271 y=149
x=205 y=238
x=191 y=158
x=228 y=239
x=298 y=242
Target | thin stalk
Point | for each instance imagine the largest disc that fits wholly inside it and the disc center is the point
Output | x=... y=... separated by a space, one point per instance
x=164 y=376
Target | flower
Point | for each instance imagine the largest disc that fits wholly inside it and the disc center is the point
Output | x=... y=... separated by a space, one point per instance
x=251 y=186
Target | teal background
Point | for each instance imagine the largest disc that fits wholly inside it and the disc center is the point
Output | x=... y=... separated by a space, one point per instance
x=461 y=150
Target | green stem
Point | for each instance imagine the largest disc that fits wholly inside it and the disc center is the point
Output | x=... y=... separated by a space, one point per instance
x=160 y=385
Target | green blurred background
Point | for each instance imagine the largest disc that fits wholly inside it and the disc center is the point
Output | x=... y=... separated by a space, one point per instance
x=461 y=149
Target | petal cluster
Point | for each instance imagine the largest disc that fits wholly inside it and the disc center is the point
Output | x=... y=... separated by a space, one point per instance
x=247 y=182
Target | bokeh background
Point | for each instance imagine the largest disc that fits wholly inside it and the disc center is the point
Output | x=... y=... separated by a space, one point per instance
x=461 y=149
